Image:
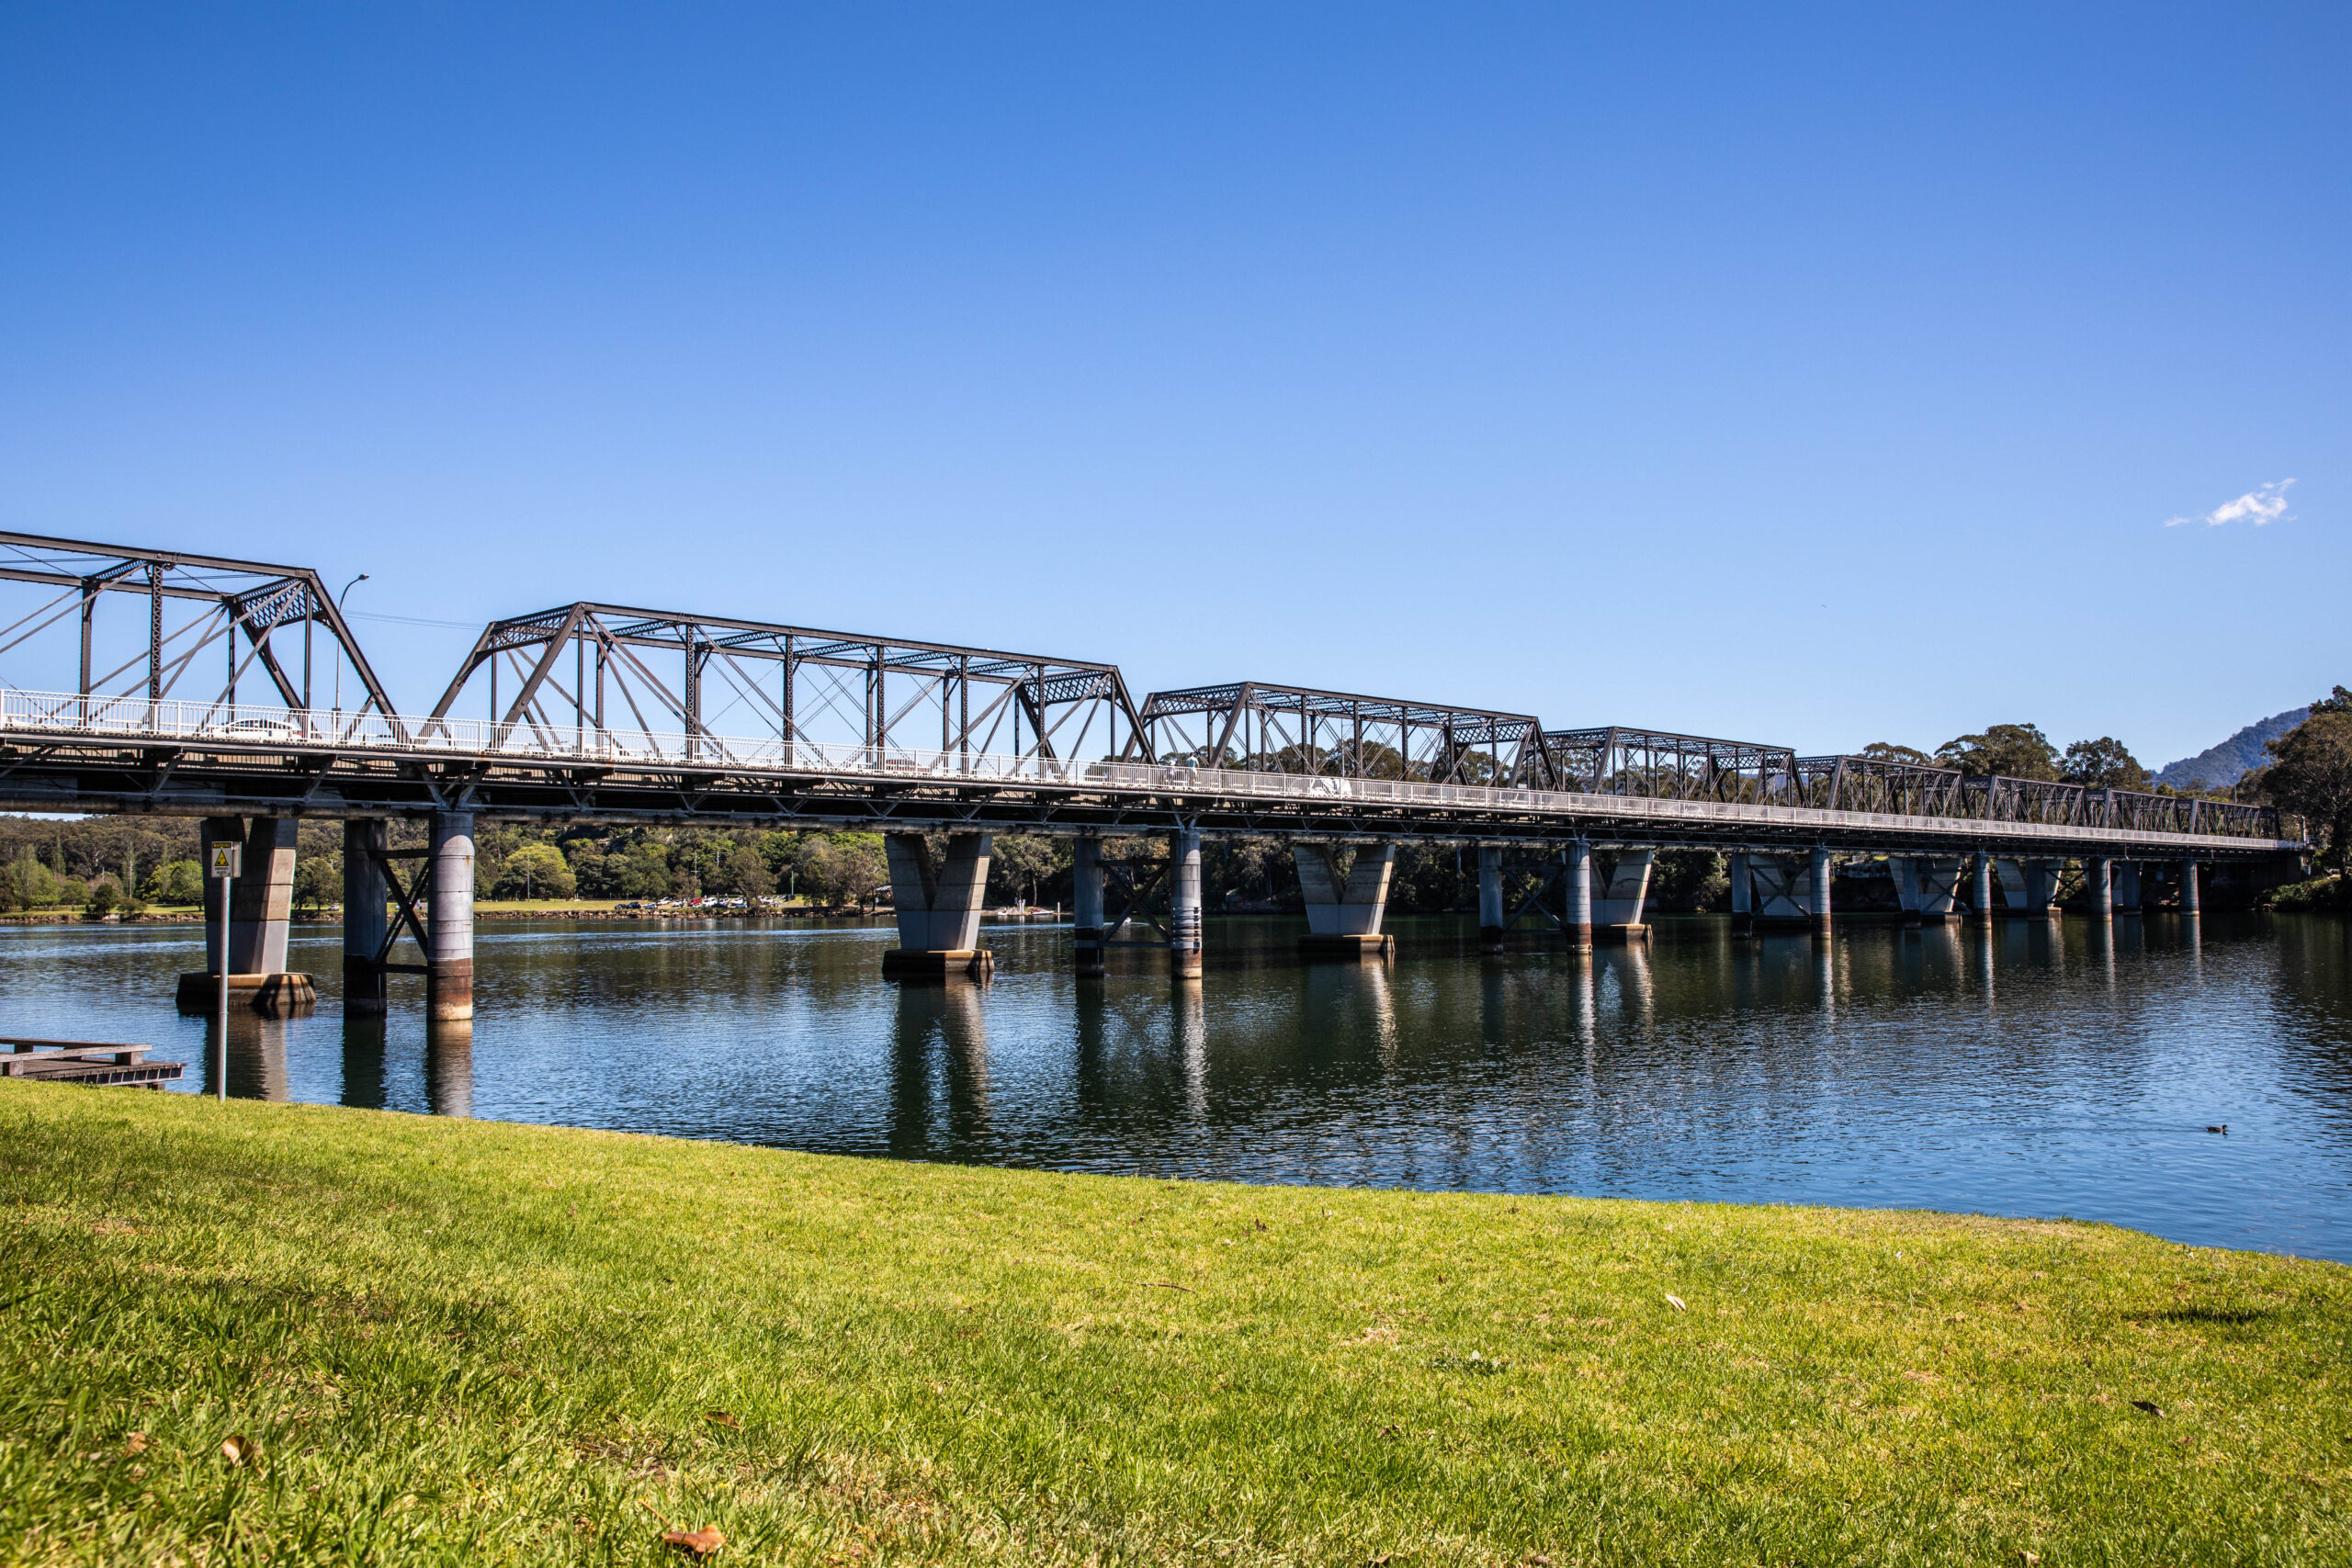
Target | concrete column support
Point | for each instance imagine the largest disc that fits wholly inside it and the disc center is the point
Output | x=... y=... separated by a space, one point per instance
x=1818 y=893
x=2041 y=887
x=1743 y=897
x=1618 y=907
x=2099 y=878
x=1184 y=904
x=1905 y=869
x=938 y=907
x=449 y=922
x=260 y=902
x=1343 y=916
x=1086 y=903
x=364 y=919
x=2188 y=888
x=2127 y=888
x=1980 y=888
x=1937 y=879
x=1580 y=911
x=1490 y=897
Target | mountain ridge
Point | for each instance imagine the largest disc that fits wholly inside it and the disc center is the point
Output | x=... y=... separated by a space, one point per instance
x=2222 y=765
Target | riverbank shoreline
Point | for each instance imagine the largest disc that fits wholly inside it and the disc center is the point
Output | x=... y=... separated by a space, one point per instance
x=521 y=1341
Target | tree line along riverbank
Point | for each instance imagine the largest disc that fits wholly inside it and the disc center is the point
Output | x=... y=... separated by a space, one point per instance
x=434 y=1339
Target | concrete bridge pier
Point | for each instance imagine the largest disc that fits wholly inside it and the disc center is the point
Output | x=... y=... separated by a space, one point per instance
x=938 y=907
x=1343 y=915
x=260 y=900
x=449 y=963
x=2188 y=888
x=2098 y=875
x=1578 y=926
x=1743 y=897
x=1937 y=879
x=1820 y=890
x=1905 y=869
x=1490 y=897
x=1617 y=910
x=2127 y=888
x=364 y=921
x=1086 y=905
x=1980 y=888
x=1184 y=936
x=2032 y=884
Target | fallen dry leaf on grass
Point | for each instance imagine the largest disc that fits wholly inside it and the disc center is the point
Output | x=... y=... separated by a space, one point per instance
x=135 y=1444
x=236 y=1448
x=701 y=1542
x=722 y=1418
x=1675 y=1303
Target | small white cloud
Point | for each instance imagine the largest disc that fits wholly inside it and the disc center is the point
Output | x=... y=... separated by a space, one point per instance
x=2255 y=506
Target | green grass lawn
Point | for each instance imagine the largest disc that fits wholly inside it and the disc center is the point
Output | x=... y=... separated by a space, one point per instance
x=449 y=1341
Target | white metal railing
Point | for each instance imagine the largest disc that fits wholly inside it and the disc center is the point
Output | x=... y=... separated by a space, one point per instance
x=50 y=715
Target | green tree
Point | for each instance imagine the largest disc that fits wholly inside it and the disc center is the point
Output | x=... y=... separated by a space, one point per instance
x=2312 y=775
x=36 y=883
x=318 y=881
x=1021 y=861
x=741 y=870
x=1888 y=751
x=2013 y=751
x=175 y=882
x=534 y=871
x=104 y=898
x=842 y=868
x=2103 y=764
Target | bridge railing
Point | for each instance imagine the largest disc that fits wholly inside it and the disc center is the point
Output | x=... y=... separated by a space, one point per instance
x=66 y=715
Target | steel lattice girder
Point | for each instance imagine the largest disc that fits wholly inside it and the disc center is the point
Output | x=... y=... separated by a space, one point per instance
x=1430 y=741
x=1621 y=760
x=1864 y=783
x=1048 y=707
x=251 y=597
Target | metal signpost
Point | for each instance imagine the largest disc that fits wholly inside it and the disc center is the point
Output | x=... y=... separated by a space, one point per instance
x=227 y=859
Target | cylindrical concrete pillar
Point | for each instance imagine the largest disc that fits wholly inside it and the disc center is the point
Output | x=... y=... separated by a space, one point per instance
x=2188 y=888
x=1490 y=897
x=1743 y=892
x=1980 y=888
x=449 y=967
x=1820 y=890
x=2127 y=887
x=364 y=920
x=2098 y=875
x=1184 y=903
x=1086 y=905
x=1579 y=922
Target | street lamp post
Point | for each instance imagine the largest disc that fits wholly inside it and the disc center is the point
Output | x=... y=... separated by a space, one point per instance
x=338 y=663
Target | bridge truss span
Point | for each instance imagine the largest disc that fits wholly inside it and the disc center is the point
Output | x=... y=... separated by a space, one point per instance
x=1259 y=727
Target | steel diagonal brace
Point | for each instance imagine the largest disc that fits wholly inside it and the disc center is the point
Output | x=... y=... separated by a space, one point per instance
x=405 y=897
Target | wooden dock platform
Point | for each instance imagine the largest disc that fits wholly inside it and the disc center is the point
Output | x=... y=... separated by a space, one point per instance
x=85 y=1061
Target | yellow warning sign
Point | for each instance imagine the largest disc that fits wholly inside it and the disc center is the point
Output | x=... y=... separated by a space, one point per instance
x=224 y=860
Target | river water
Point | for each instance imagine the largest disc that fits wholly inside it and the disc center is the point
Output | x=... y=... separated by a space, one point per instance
x=2024 y=1070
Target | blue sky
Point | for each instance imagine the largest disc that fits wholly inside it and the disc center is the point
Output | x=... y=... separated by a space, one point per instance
x=1816 y=378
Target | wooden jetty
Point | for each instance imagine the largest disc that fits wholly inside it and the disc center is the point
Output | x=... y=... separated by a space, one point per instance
x=83 y=1061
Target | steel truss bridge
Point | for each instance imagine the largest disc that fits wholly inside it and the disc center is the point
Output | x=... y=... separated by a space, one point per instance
x=136 y=681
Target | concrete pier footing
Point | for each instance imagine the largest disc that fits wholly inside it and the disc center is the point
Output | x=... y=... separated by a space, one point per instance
x=1086 y=905
x=450 y=922
x=1980 y=888
x=2098 y=878
x=1185 y=911
x=365 y=920
x=1343 y=914
x=1578 y=927
x=260 y=902
x=1490 y=897
x=1622 y=897
x=938 y=907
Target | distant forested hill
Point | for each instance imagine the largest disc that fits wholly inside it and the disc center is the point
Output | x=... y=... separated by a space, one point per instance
x=2220 y=766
